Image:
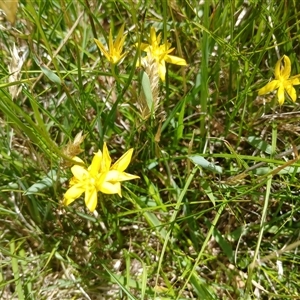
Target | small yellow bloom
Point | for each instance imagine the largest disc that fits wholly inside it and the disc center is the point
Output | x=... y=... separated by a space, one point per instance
x=114 y=52
x=160 y=53
x=282 y=82
x=84 y=181
x=112 y=176
x=100 y=176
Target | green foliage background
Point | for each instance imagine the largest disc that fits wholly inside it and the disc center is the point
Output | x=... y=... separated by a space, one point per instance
x=215 y=213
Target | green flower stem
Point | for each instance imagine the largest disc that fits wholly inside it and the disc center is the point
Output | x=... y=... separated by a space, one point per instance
x=115 y=74
x=101 y=222
x=263 y=217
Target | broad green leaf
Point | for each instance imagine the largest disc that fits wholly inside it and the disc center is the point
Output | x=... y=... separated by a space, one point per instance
x=51 y=75
x=147 y=90
x=46 y=182
x=260 y=144
x=224 y=244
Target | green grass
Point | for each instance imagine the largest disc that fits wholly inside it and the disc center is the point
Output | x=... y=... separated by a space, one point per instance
x=215 y=212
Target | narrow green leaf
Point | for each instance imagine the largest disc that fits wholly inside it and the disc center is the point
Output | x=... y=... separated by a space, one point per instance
x=225 y=245
x=202 y=162
x=16 y=271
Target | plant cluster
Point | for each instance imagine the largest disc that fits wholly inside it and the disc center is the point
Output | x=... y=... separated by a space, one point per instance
x=145 y=153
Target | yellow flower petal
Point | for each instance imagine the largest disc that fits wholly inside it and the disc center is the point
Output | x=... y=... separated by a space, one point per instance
x=286 y=70
x=95 y=166
x=73 y=181
x=269 y=87
x=291 y=92
x=162 y=70
x=106 y=160
x=102 y=48
x=73 y=193
x=295 y=80
x=152 y=36
x=120 y=39
x=114 y=176
x=79 y=172
x=144 y=47
x=122 y=163
x=76 y=159
x=90 y=199
x=280 y=95
x=110 y=43
x=277 y=69
x=111 y=188
x=175 y=60
x=168 y=48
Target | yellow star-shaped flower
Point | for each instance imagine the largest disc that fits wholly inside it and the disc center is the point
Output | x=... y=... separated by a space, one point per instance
x=84 y=181
x=114 y=52
x=282 y=82
x=112 y=176
x=160 y=53
x=100 y=176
